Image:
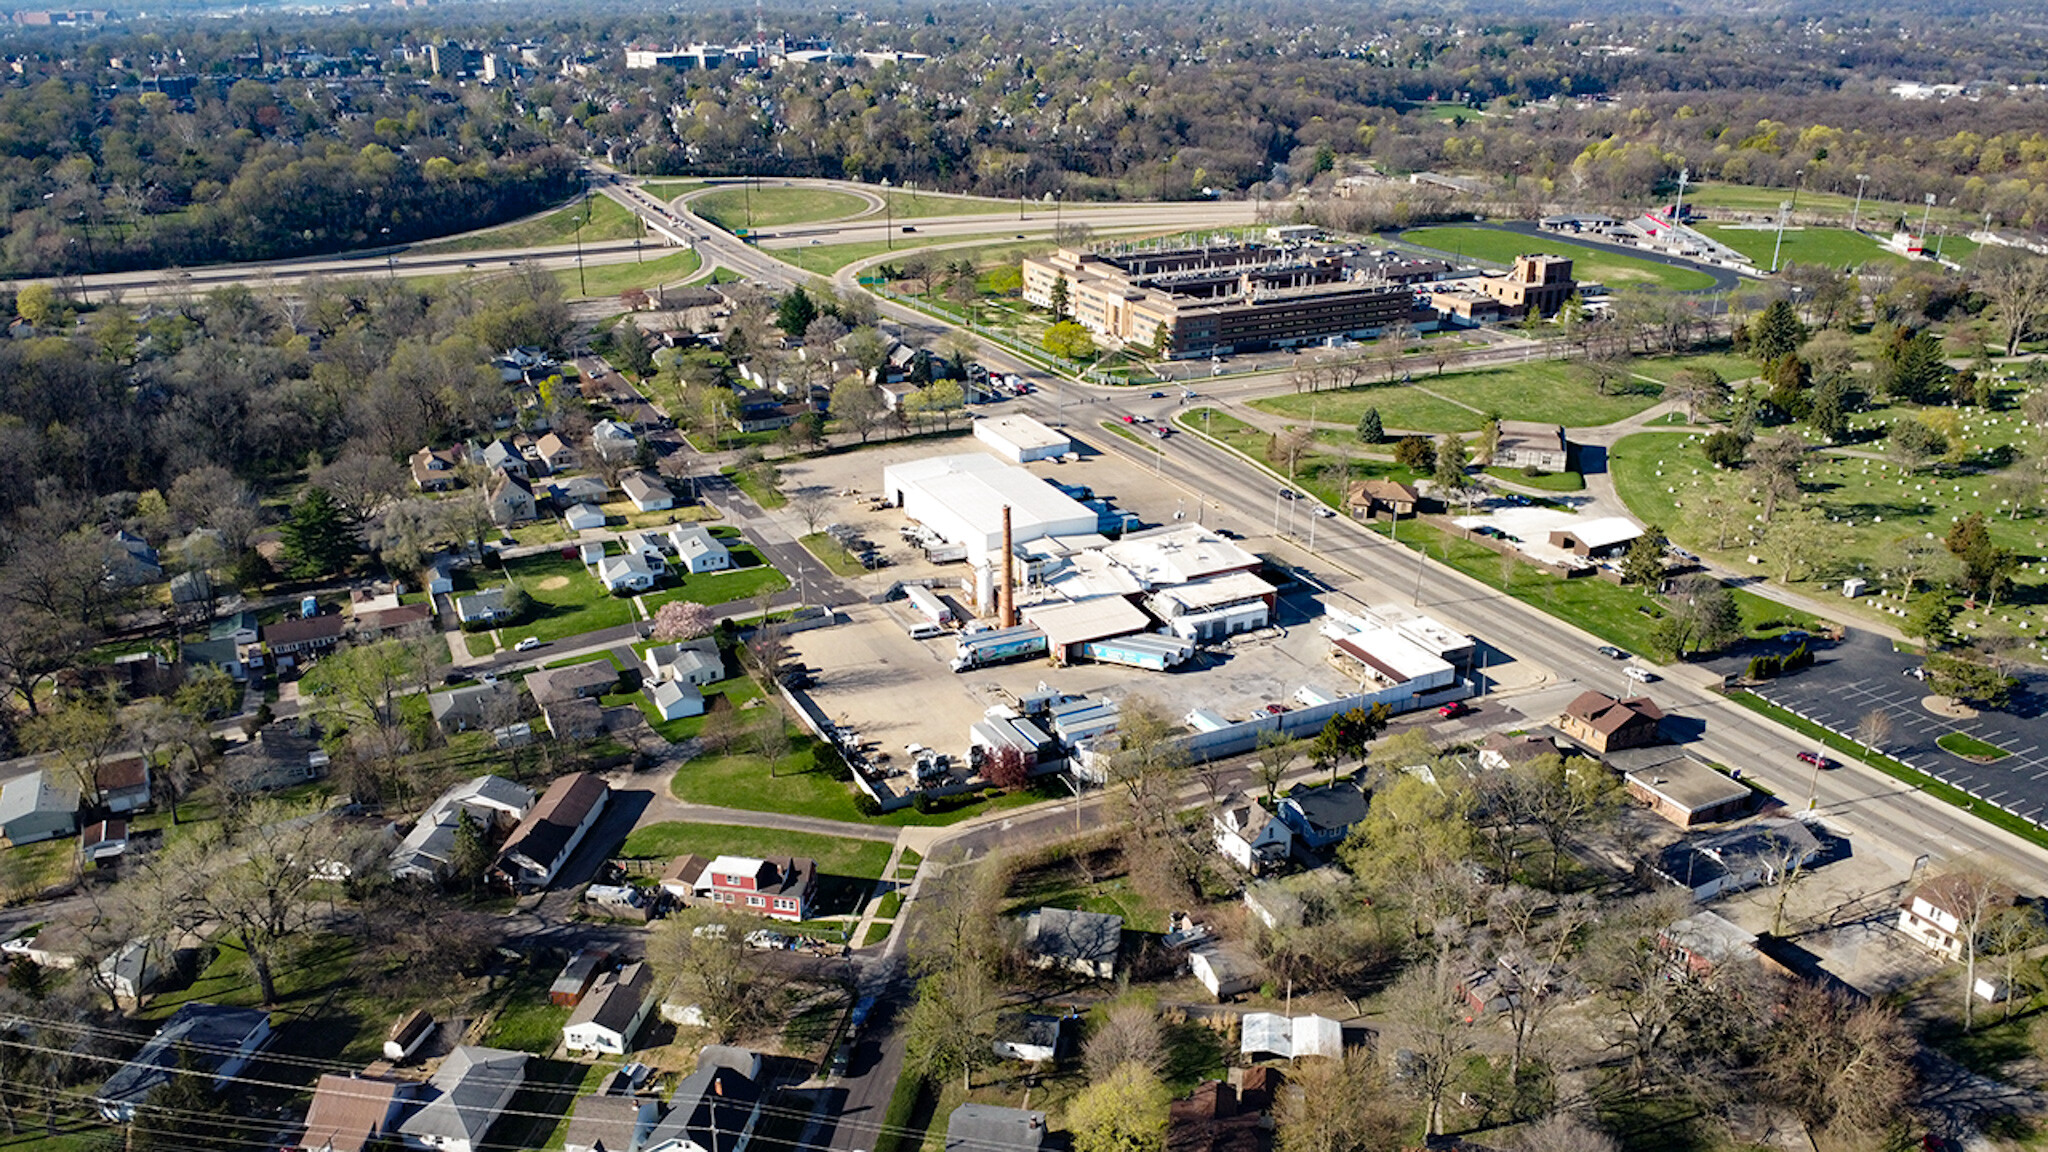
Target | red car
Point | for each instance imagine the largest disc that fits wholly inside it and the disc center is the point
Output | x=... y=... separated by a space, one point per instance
x=1816 y=759
x=1454 y=708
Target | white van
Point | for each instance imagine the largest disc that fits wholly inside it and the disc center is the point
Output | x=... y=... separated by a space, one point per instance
x=925 y=631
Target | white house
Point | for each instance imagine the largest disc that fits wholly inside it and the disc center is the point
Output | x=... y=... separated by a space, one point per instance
x=1224 y=969
x=1250 y=835
x=1032 y=1037
x=612 y=439
x=698 y=550
x=628 y=573
x=467 y=1095
x=675 y=699
x=608 y=1018
x=1933 y=914
x=583 y=517
x=647 y=493
x=688 y=662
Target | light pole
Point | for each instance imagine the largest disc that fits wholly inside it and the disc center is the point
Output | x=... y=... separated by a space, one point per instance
x=1798 y=182
x=1784 y=210
x=1924 y=218
x=1857 y=213
x=1678 y=209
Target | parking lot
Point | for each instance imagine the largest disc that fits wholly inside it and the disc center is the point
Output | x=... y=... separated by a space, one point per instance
x=1863 y=674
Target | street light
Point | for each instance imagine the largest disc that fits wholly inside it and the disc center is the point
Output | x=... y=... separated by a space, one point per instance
x=1798 y=182
x=1857 y=213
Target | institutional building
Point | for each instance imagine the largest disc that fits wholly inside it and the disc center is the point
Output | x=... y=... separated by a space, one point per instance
x=1219 y=300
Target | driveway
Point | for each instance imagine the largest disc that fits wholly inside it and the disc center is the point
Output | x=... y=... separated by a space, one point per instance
x=1864 y=674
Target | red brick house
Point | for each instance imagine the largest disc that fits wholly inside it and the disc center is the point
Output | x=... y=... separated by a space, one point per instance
x=781 y=886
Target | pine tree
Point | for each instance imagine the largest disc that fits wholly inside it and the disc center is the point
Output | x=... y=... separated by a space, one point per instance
x=1369 y=430
x=794 y=312
x=318 y=539
x=1777 y=332
x=1059 y=298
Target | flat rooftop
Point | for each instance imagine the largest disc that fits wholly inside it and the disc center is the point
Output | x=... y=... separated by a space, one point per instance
x=1690 y=784
x=1022 y=431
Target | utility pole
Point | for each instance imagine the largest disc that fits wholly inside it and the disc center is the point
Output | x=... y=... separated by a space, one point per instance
x=580 y=221
x=1798 y=182
x=1857 y=213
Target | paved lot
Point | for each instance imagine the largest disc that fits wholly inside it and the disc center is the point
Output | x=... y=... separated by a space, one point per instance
x=1864 y=674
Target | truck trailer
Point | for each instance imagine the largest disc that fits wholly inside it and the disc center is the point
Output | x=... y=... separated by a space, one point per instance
x=928 y=605
x=985 y=648
x=1146 y=650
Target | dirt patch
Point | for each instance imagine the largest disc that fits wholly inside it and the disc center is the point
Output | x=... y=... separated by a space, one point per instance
x=552 y=583
x=1944 y=706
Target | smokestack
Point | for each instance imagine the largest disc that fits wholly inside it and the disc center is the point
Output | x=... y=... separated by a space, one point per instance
x=1007 y=593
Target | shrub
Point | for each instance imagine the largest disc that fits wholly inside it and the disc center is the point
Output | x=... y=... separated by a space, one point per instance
x=866 y=805
x=923 y=803
x=1535 y=471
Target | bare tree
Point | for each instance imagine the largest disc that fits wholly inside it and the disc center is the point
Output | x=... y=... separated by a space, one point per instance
x=1421 y=1012
x=1874 y=730
x=1778 y=462
x=1564 y=1132
x=1129 y=1034
x=1275 y=755
x=1290 y=445
x=1973 y=894
x=258 y=882
x=709 y=966
x=1339 y=1105
x=811 y=503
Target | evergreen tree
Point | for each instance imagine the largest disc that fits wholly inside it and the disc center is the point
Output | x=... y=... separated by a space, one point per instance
x=472 y=855
x=1369 y=430
x=1777 y=332
x=1644 y=563
x=794 y=312
x=319 y=539
x=1913 y=368
x=1059 y=298
x=185 y=1114
x=1827 y=412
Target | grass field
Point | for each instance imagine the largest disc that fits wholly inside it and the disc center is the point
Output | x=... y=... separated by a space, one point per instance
x=670 y=189
x=1970 y=748
x=773 y=207
x=1731 y=367
x=826 y=259
x=741 y=780
x=1609 y=268
x=567 y=600
x=1550 y=482
x=1875 y=213
x=832 y=555
x=919 y=205
x=1548 y=391
x=1834 y=247
x=838 y=855
x=608 y=220
x=598 y=281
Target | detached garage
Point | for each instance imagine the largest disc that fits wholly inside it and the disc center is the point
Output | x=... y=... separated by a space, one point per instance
x=1020 y=439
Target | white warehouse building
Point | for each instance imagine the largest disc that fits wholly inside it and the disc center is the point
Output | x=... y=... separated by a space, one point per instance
x=1020 y=439
x=962 y=499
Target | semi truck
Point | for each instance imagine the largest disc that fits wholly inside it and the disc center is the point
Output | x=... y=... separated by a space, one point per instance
x=985 y=648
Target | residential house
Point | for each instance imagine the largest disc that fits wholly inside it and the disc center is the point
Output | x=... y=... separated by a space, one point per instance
x=474 y=706
x=192 y=586
x=377 y=623
x=351 y=1113
x=221 y=1041
x=583 y=518
x=684 y=878
x=510 y=500
x=698 y=550
x=1322 y=815
x=495 y=803
x=298 y=640
x=1604 y=724
x=1032 y=1037
x=501 y=456
x=611 y=1123
x=573 y=681
x=1501 y=751
x=608 y=1019
x=1250 y=835
x=435 y=471
x=613 y=440
x=1763 y=851
x=464 y=1098
x=994 y=1128
x=485 y=607
x=219 y=654
x=123 y=784
x=780 y=887
x=648 y=493
x=1083 y=942
x=714 y=1109
x=1370 y=499
x=243 y=629
x=573 y=982
x=551 y=831
x=103 y=841
x=555 y=452
x=35 y=807
x=131 y=562
x=1528 y=444
x=695 y=662
x=1221 y=1117
x=578 y=490
x=573 y=719
x=1934 y=913
x=1704 y=941
x=628 y=573
x=1223 y=968
x=674 y=699
x=1297 y=901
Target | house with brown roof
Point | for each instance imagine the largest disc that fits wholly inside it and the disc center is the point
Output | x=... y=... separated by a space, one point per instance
x=1221 y=1117
x=377 y=623
x=590 y=678
x=435 y=471
x=351 y=1113
x=123 y=783
x=1603 y=723
x=544 y=841
x=1369 y=499
x=555 y=452
x=1501 y=751
x=308 y=637
x=510 y=500
x=1934 y=914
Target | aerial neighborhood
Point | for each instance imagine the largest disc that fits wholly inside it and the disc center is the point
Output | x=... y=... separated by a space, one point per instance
x=1103 y=578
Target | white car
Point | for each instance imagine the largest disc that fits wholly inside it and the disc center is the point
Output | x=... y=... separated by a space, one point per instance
x=527 y=645
x=1639 y=675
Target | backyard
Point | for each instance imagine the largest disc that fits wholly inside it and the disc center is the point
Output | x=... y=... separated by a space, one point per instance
x=739 y=778
x=1499 y=246
x=567 y=599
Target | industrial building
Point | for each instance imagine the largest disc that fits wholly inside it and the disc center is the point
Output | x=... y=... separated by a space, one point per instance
x=963 y=498
x=1020 y=439
x=1216 y=300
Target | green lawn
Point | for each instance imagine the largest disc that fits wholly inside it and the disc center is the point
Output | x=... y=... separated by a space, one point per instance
x=1062 y=885
x=1731 y=367
x=1875 y=215
x=1834 y=247
x=906 y=205
x=479 y=644
x=749 y=576
x=876 y=933
x=670 y=189
x=1550 y=482
x=1543 y=390
x=735 y=208
x=837 y=855
x=741 y=780
x=832 y=555
x=598 y=281
x=891 y=904
x=755 y=486
x=567 y=599
x=826 y=259
x=1970 y=748
x=608 y=220
x=1610 y=268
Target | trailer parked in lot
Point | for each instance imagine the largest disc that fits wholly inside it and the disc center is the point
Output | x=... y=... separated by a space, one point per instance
x=928 y=605
x=985 y=648
x=1147 y=650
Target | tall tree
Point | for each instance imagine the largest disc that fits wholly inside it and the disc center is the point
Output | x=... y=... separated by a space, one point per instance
x=1122 y=1112
x=319 y=538
x=1777 y=332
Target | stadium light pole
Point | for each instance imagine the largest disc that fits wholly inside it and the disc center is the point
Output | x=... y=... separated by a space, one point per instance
x=1857 y=213
x=1924 y=218
x=1678 y=209
x=1784 y=210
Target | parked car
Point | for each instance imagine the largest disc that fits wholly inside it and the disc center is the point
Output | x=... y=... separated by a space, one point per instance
x=1917 y=672
x=1815 y=759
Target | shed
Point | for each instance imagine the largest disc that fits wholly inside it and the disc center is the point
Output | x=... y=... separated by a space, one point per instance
x=583 y=517
x=1605 y=536
x=577 y=976
x=1271 y=1034
x=1226 y=970
x=34 y=808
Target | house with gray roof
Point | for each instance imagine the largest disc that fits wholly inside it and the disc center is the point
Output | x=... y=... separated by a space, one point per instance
x=1323 y=815
x=466 y=1096
x=495 y=803
x=607 y=1019
x=687 y=662
x=472 y=706
x=714 y=1109
x=221 y=1041
x=485 y=607
x=1083 y=942
x=34 y=808
x=994 y=1128
x=611 y=1124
